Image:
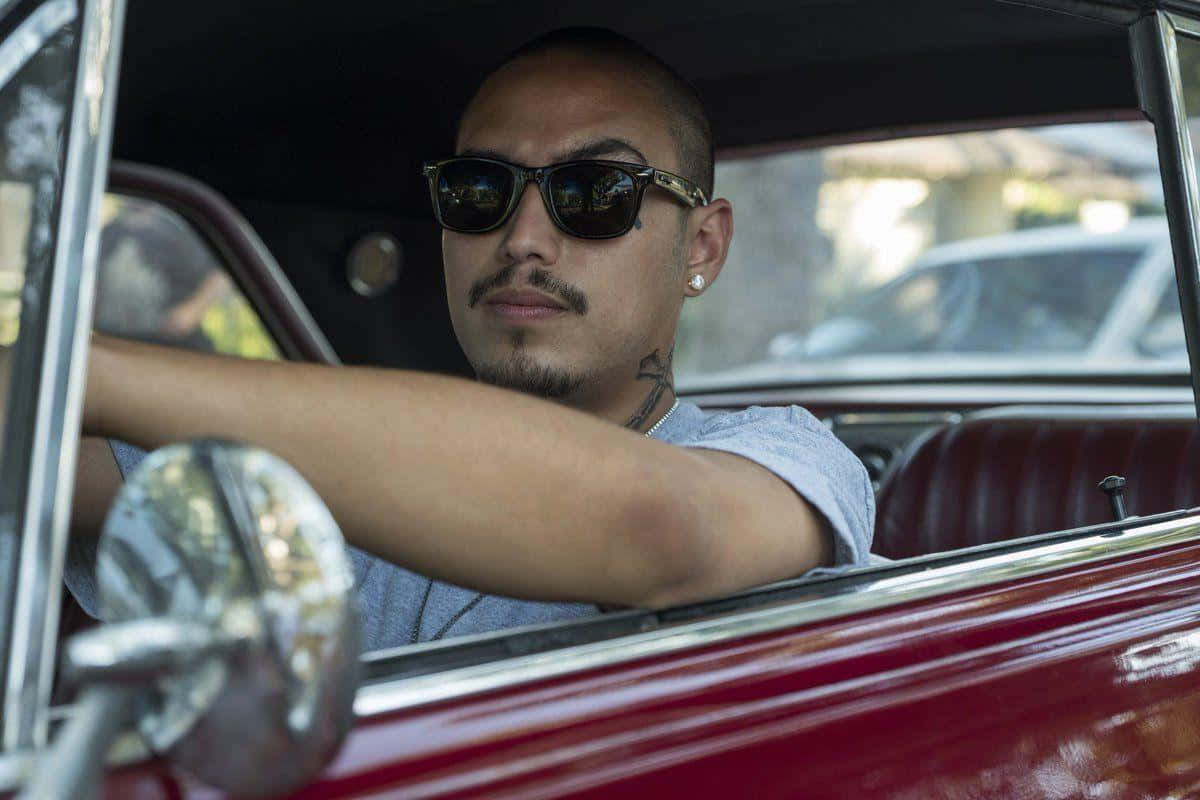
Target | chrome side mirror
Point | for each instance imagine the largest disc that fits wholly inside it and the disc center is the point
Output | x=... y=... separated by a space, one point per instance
x=227 y=594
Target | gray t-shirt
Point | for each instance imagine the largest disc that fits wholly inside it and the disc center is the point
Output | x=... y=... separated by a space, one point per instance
x=400 y=607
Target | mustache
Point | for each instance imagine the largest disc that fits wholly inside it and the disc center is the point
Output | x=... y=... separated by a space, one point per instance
x=571 y=295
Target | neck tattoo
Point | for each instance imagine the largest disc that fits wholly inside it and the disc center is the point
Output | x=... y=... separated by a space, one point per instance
x=653 y=368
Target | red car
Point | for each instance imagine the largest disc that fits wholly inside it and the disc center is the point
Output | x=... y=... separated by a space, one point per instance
x=1030 y=629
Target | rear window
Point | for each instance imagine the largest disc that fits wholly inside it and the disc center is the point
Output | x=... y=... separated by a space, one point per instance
x=1042 y=249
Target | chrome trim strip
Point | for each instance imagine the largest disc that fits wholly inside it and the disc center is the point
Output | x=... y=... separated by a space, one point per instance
x=46 y=515
x=32 y=34
x=1175 y=412
x=290 y=296
x=944 y=394
x=896 y=418
x=390 y=696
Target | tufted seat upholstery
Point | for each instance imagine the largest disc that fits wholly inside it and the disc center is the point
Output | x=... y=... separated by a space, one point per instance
x=1015 y=472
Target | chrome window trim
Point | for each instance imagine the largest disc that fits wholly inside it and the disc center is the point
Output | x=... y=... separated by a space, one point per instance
x=944 y=394
x=854 y=418
x=389 y=696
x=290 y=295
x=46 y=513
x=1174 y=411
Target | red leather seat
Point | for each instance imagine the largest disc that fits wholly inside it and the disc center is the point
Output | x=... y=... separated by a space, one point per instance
x=1015 y=472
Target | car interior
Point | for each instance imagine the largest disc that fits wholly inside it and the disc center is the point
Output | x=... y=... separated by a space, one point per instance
x=286 y=133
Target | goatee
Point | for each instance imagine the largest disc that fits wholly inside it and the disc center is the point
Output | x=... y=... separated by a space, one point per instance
x=521 y=373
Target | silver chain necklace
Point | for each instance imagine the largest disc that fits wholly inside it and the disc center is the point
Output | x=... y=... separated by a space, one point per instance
x=670 y=411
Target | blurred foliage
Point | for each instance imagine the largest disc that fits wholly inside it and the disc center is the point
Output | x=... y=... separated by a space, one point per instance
x=234 y=329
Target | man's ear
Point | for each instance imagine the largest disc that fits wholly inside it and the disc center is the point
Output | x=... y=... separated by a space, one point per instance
x=711 y=229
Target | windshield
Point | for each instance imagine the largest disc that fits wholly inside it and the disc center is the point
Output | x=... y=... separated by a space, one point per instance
x=1034 y=250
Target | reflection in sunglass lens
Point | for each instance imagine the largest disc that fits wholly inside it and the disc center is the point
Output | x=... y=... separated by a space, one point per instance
x=472 y=195
x=593 y=200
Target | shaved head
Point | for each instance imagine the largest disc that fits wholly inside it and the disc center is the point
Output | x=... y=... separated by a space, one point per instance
x=677 y=101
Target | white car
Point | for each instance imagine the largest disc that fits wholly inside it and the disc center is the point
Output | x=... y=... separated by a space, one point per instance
x=1045 y=293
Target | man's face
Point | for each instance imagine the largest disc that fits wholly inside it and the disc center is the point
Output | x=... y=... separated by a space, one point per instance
x=600 y=306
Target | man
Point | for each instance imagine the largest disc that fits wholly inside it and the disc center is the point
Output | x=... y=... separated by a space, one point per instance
x=572 y=491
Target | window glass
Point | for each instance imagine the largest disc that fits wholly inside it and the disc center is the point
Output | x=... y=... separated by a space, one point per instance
x=939 y=256
x=159 y=282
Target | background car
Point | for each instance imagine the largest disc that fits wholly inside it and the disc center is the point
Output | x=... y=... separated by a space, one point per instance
x=1026 y=295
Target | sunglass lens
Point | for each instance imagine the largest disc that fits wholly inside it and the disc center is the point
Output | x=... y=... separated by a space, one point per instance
x=593 y=199
x=472 y=195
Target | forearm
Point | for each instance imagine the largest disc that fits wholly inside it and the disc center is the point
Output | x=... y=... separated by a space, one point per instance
x=456 y=480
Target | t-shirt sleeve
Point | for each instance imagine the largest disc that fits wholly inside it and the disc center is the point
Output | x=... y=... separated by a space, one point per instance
x=798 y=448
x=127 y=456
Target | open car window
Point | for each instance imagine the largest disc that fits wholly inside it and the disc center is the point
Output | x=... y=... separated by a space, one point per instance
x=1035 y=249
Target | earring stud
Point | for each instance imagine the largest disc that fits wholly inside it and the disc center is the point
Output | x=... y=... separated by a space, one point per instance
x=697 y=282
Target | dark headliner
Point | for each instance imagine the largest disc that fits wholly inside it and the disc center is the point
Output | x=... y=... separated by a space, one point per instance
x=337 y=103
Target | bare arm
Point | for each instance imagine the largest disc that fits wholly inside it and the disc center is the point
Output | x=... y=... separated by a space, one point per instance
x=475 y=485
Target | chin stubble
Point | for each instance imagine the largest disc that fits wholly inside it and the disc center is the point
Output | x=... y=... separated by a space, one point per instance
x=521 y=372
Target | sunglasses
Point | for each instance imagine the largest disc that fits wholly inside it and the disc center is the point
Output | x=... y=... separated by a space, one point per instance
x=588 y=199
